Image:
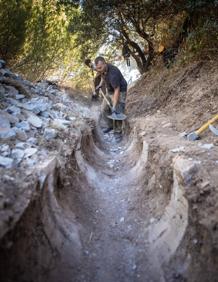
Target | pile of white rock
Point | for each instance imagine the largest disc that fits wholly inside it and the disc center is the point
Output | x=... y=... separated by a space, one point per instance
x=24 y=120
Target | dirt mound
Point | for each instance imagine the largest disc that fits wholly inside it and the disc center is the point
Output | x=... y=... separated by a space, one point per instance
x=188 y=95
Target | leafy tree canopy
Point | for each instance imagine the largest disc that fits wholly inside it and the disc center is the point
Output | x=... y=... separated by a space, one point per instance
x=39 y=38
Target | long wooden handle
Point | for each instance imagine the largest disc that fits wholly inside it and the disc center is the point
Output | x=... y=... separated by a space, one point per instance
x=102 y=93
x=205 y=126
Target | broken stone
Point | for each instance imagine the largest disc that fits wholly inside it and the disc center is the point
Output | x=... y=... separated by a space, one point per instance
x=32 y=141
x=9 y=117
x=14 y=110
x=185 y=169
x=27 y=82
x=29 y=152
x=21 y=145
x=206 y=146
x=178 y=149
x=72 y=118
x=143 y=133
x=54 y=114
x=18 y=155
x=41 y=104
x=6 y=154
x=204 y=184
x=34 y=120
x=2 y=72
x=38 y=90
x=7 y=133
x=2 y=63
x=36 y=105
x=45 y=121
x=23 y=125
x=2 y=90
x=5 y=150
x=42 y=85
x=12 y=91
x=21 y=135
x=6 y=162
x=4 y=123
x=30 y=162
x=19 y=96
x=45 y=114
x=59 y=106
x=8 y=73
x=28 y=106
x=21 y=117
x=50 y=133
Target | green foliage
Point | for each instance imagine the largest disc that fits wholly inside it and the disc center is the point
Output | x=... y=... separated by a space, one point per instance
x=35 y=39
x=198 y=5
x=168 y=30
x=202 y=42
x=46 y=40
x=40 y=38
x=90 y=32
x=124 y=22
x=13 y=17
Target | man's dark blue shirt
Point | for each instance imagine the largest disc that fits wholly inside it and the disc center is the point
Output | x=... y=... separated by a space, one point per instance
x=114 y=78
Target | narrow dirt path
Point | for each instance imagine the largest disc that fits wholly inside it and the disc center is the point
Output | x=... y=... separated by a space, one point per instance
x=116 y=247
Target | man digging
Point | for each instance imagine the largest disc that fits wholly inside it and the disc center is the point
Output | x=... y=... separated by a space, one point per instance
x=116 y=95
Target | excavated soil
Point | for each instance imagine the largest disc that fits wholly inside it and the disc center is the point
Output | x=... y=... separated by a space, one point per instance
x=143 y=208
x=188 y=95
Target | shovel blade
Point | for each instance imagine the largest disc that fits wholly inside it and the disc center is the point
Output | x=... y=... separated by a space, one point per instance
x=119 y=116
x=213 y=129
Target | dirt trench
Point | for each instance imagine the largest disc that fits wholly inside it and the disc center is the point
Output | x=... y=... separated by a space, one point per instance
x=100 y=216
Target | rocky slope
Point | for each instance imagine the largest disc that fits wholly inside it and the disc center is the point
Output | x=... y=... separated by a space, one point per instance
x=36 y=122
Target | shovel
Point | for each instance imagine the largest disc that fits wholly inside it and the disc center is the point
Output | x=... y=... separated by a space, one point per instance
x=196 y=134
x=114 y=116
x=213 y=129
x=117 y=116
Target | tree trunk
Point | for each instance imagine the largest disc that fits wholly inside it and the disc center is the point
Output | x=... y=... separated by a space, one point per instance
x=140 y=58
x=145 y=36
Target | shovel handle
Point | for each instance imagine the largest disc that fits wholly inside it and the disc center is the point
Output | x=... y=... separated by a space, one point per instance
x=205 y=126
x=105 y=98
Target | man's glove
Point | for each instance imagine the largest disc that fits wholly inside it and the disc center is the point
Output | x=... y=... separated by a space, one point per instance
x=113 y=110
